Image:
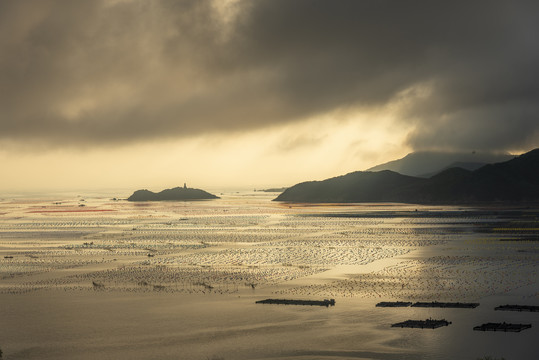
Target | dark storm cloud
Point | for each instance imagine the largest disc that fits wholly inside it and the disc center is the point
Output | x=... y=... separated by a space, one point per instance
x=98 y=72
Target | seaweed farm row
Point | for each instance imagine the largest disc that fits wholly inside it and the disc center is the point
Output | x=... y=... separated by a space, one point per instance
x=434 y=324
x=433 y=304
x=456 y=305
x=422 y=324
x=502 y=327
x=529 y=308
x=324 y=302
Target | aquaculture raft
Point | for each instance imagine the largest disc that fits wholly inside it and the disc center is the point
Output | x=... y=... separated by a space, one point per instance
x=422 y=324
x=502 y=327
x=436 y=304
x=325 y=302
x=530 y=308
x=393 y=304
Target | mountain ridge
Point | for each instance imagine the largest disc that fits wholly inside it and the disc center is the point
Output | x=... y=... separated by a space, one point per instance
x=428 y=163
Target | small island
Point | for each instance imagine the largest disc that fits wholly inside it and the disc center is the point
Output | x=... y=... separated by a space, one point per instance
x=279 y=190
x=175 y=194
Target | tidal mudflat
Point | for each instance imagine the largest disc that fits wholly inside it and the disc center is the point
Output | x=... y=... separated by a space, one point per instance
x=88 y=277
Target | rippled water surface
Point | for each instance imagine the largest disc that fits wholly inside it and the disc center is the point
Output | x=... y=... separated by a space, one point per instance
x=88 y=277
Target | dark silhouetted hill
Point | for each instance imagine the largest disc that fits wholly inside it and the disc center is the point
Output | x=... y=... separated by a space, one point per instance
x=516 y=180
x=177 y=193
x=428 y=163
x=360 y=186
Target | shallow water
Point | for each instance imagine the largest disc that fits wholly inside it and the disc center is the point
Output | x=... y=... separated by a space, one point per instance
x=179 y=280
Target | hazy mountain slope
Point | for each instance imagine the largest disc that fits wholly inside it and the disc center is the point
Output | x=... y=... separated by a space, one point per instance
x=428 y=163
x=471 y=166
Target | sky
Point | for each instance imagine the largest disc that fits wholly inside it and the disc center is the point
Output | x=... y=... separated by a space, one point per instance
x=251 y=94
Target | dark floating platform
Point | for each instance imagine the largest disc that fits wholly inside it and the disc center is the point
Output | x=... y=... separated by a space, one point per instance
x=393 y=304
x=530 y=308
x=422 y=324
x=325 y=302
x=502 y=327
x=436 y=304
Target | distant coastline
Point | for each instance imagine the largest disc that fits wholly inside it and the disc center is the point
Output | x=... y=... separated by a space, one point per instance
x=279 y=190
x=510 y=182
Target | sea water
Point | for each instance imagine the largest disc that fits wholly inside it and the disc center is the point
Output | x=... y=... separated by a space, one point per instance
x=83 y=276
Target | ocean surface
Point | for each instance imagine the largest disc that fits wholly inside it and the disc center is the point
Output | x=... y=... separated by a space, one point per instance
x=92 y=276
